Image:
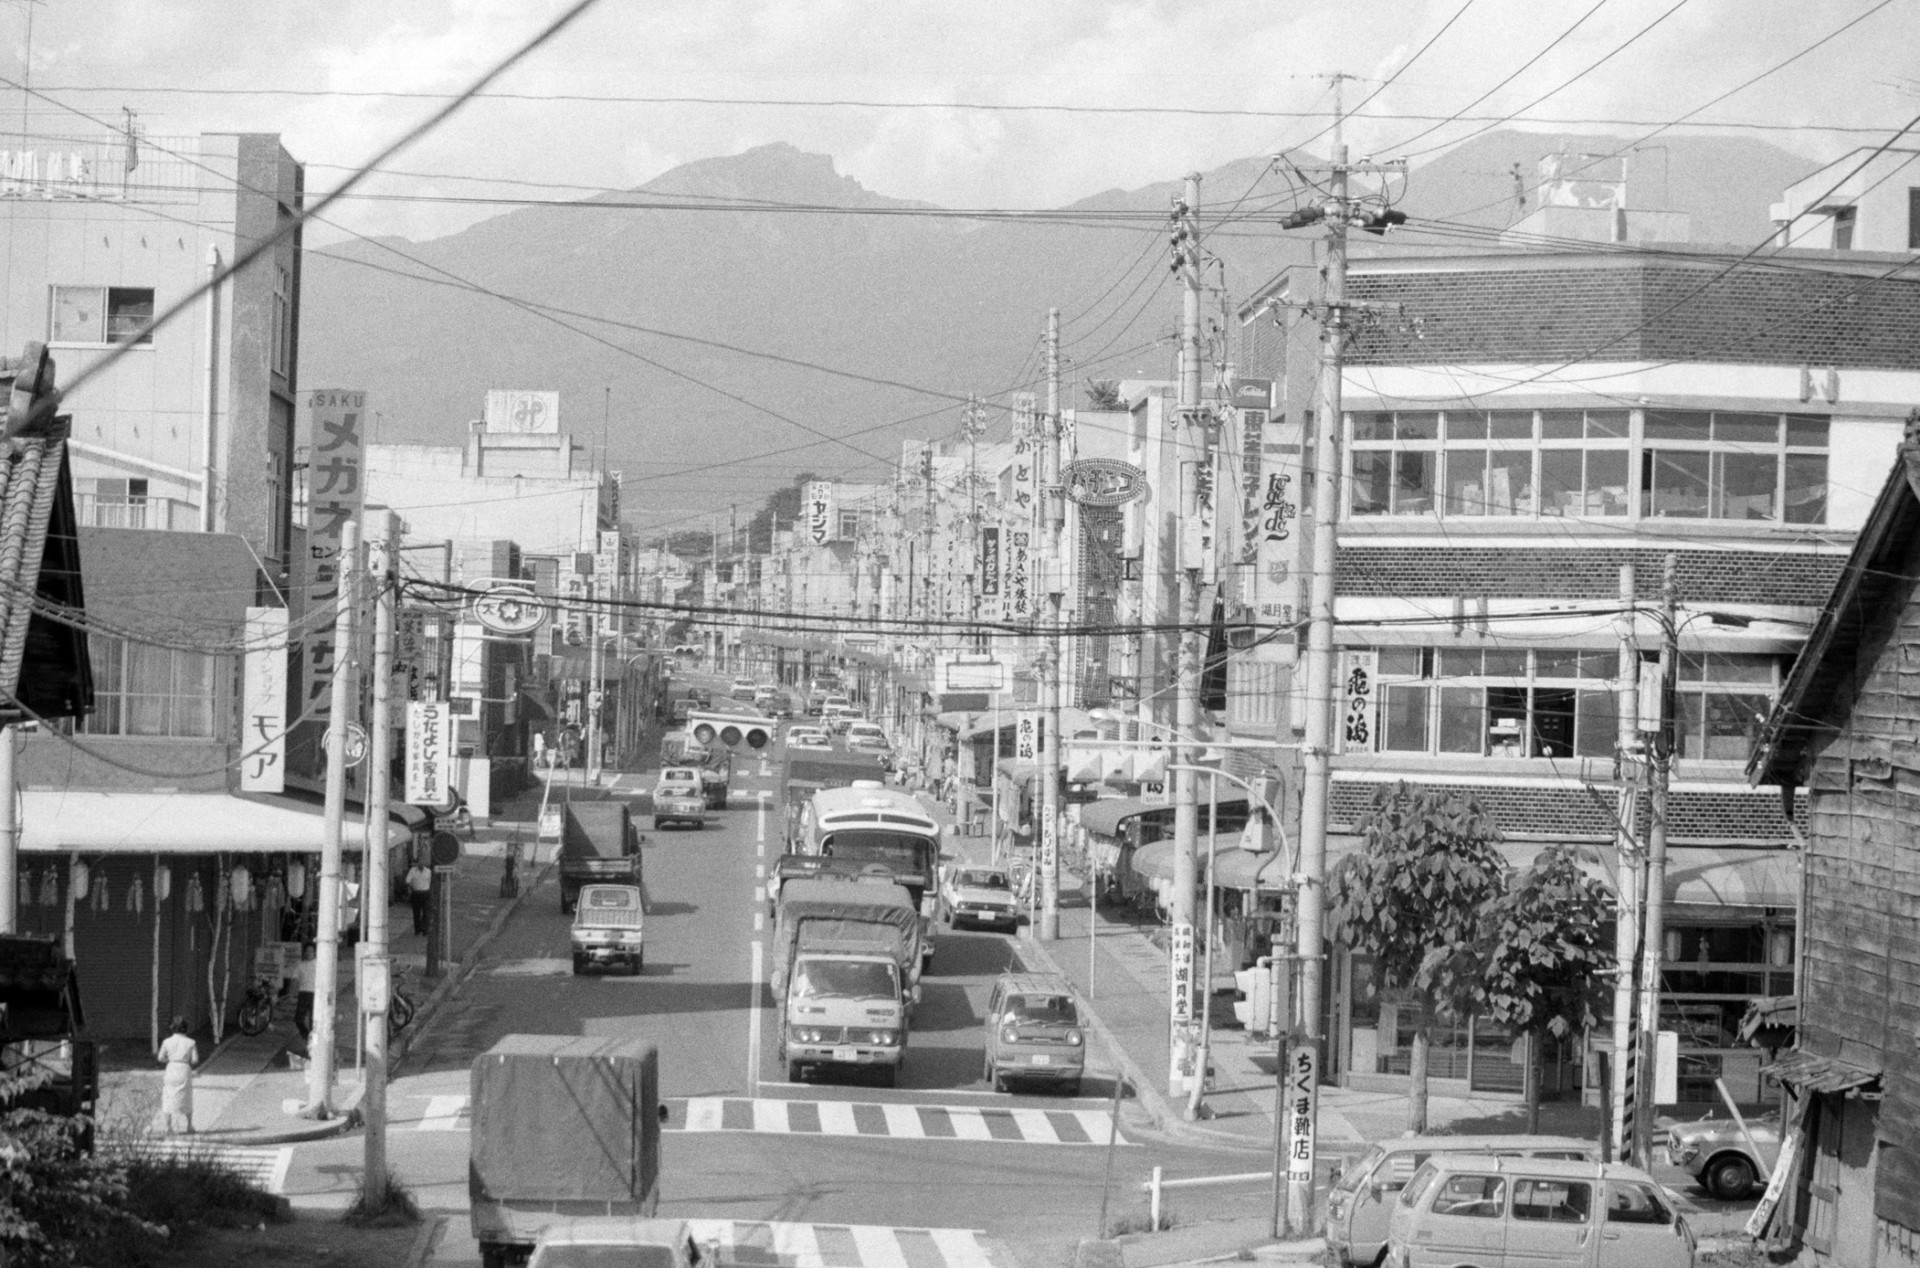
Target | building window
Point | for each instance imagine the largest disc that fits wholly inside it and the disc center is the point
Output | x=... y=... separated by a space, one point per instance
x=141 y=690
x=1913 y=218
x=1844 y=219
x=1589 y=464
x=101 y=315
x=282 y=321
x=849 y=525
x=1555 y=704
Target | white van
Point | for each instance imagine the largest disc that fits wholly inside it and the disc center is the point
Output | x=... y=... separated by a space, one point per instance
x=1535 y=1213
x=1360 y=1204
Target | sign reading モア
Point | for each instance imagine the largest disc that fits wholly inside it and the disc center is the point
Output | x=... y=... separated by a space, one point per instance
x=1103 y=482
x=264 y=741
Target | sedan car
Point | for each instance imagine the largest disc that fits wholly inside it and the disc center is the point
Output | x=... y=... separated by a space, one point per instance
x=980 y=896
x=1033 y=1033
x=678 y=797
x=808 y=737
x=1715 y=1152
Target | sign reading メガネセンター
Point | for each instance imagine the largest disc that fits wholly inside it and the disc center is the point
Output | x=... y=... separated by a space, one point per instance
x=336 y=438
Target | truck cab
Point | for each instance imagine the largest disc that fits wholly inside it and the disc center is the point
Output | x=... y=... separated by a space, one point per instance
x=846 y=960
x=609 y=929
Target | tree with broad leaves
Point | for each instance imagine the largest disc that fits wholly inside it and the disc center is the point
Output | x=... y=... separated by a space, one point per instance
x=1104 y=394
x=1412 y=899
x=1544 y=964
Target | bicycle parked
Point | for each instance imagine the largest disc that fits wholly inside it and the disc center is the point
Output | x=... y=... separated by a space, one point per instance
x=265 y=1002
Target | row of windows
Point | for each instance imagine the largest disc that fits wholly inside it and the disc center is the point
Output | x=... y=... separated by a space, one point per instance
x=1550 y=704
x=150 y=691
x=1678 y=464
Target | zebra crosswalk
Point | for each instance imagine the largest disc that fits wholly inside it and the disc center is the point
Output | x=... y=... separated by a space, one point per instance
x=1008 y=1124
x=793 y=1245
x=262 y=1165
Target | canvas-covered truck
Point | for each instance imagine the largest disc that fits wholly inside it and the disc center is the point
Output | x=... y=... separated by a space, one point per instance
x=598 y=843
x=43 y=1030
x=565 y=1128
x=846 y=965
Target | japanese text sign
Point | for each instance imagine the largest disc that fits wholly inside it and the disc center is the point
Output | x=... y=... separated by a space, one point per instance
x=335 y=493
x=430 y=728
x=1180 y=972
x=818 y=512
x=263 y=740
x=1357 y=693
x=1302 y=1070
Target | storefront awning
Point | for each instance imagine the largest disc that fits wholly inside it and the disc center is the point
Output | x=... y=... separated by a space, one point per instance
x=1154 y=862
x=1240 y=869
x=953 y=721
x=1824 y=1074
x=1107 y=815
x=57 y=821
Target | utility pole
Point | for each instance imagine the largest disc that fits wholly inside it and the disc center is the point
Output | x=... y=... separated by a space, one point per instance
x=1338 y=212
x=1654 y=936
x=326 y=968
x=593 y=677
x=1048 y=509
x=376 y=884
x=9 y=828
x=1626 y=937
x=1192 y=447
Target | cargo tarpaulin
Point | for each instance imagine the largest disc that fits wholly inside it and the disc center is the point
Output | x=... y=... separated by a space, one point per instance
x=878 y=914
x=564 y=1119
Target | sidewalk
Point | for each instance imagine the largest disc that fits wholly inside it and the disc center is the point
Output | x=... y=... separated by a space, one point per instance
x=253 y=1087
x=1125 y=983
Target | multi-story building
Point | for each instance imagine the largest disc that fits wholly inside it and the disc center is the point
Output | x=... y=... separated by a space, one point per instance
x=1521 y=459
x=1866 y=200
x=193 y=426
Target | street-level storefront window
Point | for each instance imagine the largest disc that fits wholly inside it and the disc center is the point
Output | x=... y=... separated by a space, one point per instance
x=1589 y=464
x=1553 y=703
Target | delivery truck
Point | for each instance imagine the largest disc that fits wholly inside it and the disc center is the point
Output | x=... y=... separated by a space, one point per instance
x=846 y=969
x=565 y=1128
x=598 y=844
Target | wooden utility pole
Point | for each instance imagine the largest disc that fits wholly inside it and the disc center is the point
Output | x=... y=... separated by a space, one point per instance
x=1049 y=514
x=1653 y=938
x=326 y=969
x=1190 y=450
x=376 y=883
x=1623 y=1083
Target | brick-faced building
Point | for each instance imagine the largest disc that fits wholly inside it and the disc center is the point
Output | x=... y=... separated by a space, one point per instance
x=1521 y=427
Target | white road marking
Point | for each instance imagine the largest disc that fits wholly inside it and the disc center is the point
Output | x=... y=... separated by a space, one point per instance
x=902 y=1120
x=753 y=1018
x=760 y=871
x=760 y=895
x=443 y=1114
x=1035 y=1126
x=960 y=1248
x=796 y=1244
x=968 y=1124
x=770 y=1117
x=759 y=921
x=836 y=1119
x=780 y=1244
x=703 y=1114
x=878 y=1247
x=539 y=966
x=1095 y=1123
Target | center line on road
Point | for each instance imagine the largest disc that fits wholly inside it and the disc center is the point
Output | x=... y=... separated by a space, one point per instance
x=753 y=1019
x=759 y=921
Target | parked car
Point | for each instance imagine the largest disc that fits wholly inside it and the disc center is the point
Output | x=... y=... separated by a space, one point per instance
x=1360 y=1202
x=1524 y=1212
x=1715 y=1153
x=978 y=895
x=1033 y=1033
x=678 y=797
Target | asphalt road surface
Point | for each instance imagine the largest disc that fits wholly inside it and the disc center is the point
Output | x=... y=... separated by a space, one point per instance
x=940 y=1172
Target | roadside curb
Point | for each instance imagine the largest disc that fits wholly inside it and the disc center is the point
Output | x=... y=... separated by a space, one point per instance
x=423 y=1240
x=450 y=982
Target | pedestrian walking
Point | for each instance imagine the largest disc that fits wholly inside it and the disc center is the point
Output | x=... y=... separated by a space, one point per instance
x=419 y=889
x=303 y=1005
x=178 y=1053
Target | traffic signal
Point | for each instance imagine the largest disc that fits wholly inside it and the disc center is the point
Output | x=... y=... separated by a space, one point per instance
x=730 y=730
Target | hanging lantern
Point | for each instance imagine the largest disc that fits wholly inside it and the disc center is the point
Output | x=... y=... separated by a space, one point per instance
x=297 y=879
x=1673 y=944
x=241 y=882
x=81 y=879
x=100 y=899
x=196 y=897
x=162 y=883
x=276 y=895
x=136 y=896
x=28 y=895
x=1780 y=948
x=50 y=887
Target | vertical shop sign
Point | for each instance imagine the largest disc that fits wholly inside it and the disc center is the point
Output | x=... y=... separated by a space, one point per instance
x=819 y=512
x=1357 y=682
x=264 y=742
x=430 y=727
x=335 y=493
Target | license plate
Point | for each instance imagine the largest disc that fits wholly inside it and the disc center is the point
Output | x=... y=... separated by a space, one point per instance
x=1041 y=1058
x=846 y=1054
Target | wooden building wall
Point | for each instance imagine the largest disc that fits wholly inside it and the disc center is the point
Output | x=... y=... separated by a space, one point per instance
x=1861 y=1001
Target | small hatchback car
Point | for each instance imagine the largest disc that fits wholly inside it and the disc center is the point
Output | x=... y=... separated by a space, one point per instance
x=1033 y=1033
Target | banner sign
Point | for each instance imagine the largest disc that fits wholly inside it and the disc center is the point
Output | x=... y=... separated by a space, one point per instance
x=1018 y=582
x=264 y=735
x=1303 y=1067
x=989 y=567
x=1357 y=699
x=430 y=729
x=1103 y=482
x=1279 y=547
x=1180 y=972
x=1026 y=736
x=335 y=492
x=818 y=512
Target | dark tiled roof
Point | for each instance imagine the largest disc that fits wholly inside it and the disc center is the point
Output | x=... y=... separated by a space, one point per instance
x=43 y=661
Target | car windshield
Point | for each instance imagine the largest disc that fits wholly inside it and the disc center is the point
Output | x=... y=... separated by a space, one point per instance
x=984 y=880
x=1352 y=1177
x=601 y=1255
x=679 y=777
x=843 y=979
x=868 y=845
x=1056 y=1009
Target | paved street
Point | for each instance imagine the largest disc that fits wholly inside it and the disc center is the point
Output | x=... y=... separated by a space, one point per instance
x=849 y=1166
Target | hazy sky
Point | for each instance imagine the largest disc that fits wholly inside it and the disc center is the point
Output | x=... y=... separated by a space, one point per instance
x=1218 y=55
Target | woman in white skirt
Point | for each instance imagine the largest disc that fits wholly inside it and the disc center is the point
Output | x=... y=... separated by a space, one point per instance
x=179 y=1054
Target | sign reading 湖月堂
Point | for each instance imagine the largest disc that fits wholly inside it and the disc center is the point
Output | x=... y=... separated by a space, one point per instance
x=336 y=439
